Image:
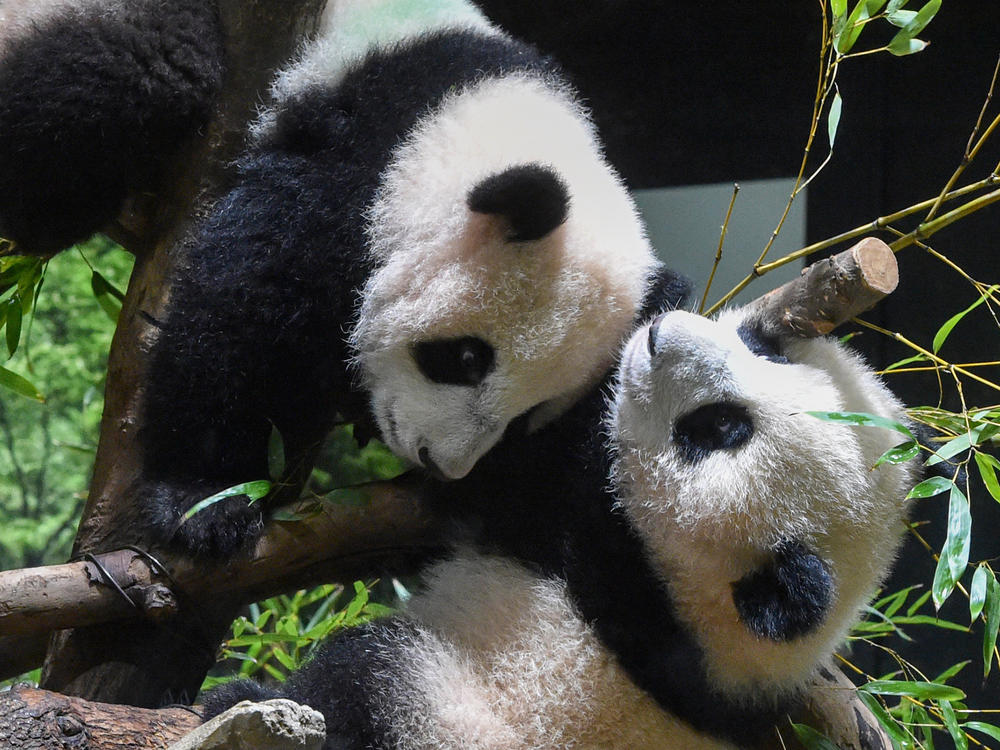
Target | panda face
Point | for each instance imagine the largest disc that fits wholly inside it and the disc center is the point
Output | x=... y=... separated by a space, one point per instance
x=718 y=466
x=510 y=262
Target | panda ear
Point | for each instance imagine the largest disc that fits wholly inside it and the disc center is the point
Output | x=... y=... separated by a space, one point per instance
x=531 y=197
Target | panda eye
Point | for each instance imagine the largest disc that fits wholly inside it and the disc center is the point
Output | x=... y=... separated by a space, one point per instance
x=462 y=361
x=710 y=428
x=761 y=344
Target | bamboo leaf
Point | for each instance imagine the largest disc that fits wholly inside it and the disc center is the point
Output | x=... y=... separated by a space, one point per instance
x=862 y=419
x=900 y=18
x=908 y=361
x=275 y=454
x=988 y=466
x=906 y=47
x=874 y=6
x=977 y=592
x=14 y=317
x=945 y=330
x=951 y=723
x=14 y=382
x=889 y=724
x=955 y=553
x=992 y=621
x=108 y=296
x=990 y=730
x=839 y=7
x=914 y=689
x=852 y=28
x=833 y=117
x=811 y=739
x=252 y=490
x=900 y=454
x=930 y=487
x=953 y=447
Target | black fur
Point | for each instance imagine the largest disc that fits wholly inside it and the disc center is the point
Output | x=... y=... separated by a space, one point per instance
x=262 y=295
x=710 y=428
x=346 y=682
x=92 y=105
x=531 y=197
x=787 y=598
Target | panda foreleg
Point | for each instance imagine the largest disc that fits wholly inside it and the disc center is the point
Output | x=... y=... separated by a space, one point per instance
x=95 y=95
x=786 y=598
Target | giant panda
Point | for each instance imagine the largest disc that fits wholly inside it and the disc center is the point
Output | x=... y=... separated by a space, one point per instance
x=673 y=564
x=423 y=237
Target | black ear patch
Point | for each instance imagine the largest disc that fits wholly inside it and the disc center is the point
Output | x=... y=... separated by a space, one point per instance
x=532 y=197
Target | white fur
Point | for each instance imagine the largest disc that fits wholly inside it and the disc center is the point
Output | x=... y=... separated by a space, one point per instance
x=504 y=662
x=21 y=17
x=554 y=309
x=710 y=523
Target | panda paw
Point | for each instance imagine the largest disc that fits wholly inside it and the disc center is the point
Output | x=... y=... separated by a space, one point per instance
x=227 y=695
x=788 y=597
x=218 y=531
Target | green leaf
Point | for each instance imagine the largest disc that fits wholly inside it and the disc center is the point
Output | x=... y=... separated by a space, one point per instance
x=992 y=621
x=354 y=497
x=908 y=361
x=862 y=419
x=14 y=316
x=918 y=603
x=253 y=490
x=874 y=6
x=930 y=487
x=914 y=689
x=895 y=5
x=833 y=117
x=14 y=382
x=844 y=41
x=990 y=730
x=900 y=18
x=988 y=466
x=811 y=739
x=839 y=7
x=906 y=47
x=951 y=723
x=945 y=330
x=977 y=592
x=900 y=454
x=951 y=671
x=108 y=296
x=955 y=554
x=888 y=723
x=275 y=454
x=958 y=444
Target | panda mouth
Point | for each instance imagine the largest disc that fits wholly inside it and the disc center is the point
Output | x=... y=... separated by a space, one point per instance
x=430 y=467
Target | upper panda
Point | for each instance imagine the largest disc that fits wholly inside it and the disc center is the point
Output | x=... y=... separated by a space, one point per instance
x=423 y=233
x=666 y=567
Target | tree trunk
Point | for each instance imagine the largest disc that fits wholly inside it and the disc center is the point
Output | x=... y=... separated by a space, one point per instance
x=147 y=663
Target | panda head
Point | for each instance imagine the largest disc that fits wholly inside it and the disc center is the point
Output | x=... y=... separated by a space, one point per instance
x=510 y=265
x=721 y=471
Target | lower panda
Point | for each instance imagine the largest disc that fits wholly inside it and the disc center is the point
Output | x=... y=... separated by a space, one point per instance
x=422 y=237
x=685 y=603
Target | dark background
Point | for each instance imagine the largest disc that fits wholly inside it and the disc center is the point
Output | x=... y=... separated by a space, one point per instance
x=712 y=92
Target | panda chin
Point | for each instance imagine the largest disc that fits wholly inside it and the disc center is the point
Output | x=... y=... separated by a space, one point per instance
x=524 y=423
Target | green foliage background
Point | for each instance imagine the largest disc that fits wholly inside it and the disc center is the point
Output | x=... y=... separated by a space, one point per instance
x=47 y=449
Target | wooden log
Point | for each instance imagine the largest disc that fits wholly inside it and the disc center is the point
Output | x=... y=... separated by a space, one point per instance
x=32 y=719
x=832 y=291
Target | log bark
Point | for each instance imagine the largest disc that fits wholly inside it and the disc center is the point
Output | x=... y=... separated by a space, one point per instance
x=392 y=529
x=830 y=292
x=32 y=719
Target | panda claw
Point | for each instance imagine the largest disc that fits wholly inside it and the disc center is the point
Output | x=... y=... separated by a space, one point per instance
x=219 y=531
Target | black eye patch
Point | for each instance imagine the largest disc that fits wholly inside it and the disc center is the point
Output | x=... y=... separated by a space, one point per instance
x=710 y=428
x=462 y=361
x=760 y=343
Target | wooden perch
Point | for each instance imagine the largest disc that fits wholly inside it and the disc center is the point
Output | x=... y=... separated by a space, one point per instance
x=832 y=291
x=33 y=719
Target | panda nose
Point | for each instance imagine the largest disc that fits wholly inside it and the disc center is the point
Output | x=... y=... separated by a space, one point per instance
x=654 y=328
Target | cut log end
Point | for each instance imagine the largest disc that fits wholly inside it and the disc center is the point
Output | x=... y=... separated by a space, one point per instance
x=830 y=292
